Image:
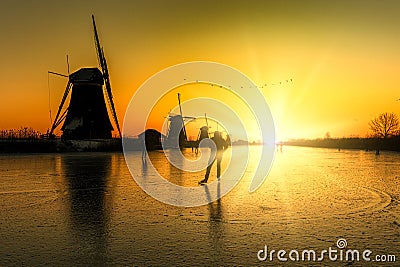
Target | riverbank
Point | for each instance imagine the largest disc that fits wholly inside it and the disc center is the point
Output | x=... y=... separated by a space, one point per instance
x=389 y=144
x=58 y=145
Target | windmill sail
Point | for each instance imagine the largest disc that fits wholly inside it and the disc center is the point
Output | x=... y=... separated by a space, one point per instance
x=106 y=76
x=58 y=119
x=183 y=122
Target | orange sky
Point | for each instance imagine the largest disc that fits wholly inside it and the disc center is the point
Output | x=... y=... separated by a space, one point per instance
x=343 y=56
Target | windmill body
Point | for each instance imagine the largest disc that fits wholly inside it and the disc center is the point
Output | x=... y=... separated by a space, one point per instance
x=203 y=133
x=87 y=116
x=176 y=135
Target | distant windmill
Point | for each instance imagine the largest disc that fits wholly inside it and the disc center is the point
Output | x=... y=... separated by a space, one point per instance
x=86 y=116
x=176 y=135
x=203 y=134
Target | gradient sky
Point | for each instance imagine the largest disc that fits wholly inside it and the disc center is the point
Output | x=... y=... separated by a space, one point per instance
x=343 y=56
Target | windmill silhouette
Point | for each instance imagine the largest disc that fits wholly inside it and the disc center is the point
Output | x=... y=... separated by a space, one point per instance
x=176 y=136
x=203 y=134
x=86 y=116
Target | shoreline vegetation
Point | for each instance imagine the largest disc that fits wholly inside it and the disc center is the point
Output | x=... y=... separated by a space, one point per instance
x=40 y=145
x=28 y=140
x=367 y=144
x=385 y=136
x=37 y=145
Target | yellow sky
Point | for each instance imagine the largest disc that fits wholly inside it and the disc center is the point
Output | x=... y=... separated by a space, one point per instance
x=343 y=56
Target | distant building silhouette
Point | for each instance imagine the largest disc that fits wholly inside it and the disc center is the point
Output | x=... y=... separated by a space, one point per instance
x=152 y=139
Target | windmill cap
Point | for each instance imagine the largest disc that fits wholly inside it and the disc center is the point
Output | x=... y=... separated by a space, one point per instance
x=87 y=75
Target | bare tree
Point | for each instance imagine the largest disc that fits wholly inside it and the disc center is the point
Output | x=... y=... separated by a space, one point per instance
x=328 y=135
x=385 y=125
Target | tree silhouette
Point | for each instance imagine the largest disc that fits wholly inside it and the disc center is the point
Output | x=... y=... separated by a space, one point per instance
x=21 y=133
x=385 y=125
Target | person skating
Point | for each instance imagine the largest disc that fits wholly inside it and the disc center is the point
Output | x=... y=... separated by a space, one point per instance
x=221 y=145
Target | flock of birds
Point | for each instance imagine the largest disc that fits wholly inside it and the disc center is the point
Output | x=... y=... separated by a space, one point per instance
x=258 y=86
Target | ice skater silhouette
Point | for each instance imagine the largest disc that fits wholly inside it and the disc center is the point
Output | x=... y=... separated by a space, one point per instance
x=221 y=145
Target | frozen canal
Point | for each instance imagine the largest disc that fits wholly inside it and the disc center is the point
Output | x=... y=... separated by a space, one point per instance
x=86 y=209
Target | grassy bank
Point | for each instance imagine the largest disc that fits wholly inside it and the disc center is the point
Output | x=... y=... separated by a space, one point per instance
x=390 y=144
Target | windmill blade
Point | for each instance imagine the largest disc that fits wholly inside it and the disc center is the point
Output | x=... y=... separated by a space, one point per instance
x=68 y=64
x=59 y=74
x=97 y=43
x=60 y=120
x=180 y=110
x=106 y=77
x=109 y=95
x=56 y=119
x=189 y=118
